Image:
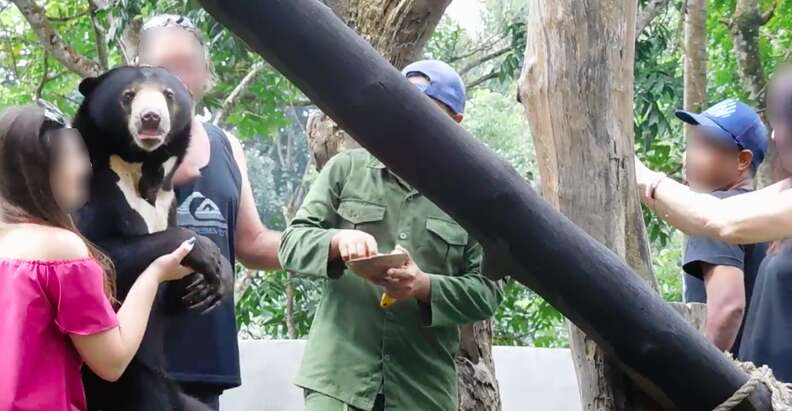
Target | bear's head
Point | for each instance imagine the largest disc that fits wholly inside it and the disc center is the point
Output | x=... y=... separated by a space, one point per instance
x=134 y=111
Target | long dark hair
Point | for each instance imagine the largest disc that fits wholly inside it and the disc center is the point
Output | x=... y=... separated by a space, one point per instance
x=30 y=144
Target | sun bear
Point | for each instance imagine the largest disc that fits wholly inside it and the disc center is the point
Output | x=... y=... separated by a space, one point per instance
x=136 y=124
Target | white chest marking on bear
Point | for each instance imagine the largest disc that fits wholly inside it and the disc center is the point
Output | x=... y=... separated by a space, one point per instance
x=155 y=216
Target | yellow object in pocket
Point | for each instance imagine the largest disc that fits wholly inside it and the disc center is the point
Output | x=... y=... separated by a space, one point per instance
x=386 y=300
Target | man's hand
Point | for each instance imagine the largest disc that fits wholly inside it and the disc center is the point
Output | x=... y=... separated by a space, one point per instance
x=352 y=244
x=408 y=281
x=647 y=179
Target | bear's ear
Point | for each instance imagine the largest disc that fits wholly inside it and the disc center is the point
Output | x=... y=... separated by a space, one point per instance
x=88 y=85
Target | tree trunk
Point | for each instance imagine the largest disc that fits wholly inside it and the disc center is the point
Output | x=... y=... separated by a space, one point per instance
x=744 y=26
x=521 y=234
x=695 y=56
x=399 y=30
x=585 y=134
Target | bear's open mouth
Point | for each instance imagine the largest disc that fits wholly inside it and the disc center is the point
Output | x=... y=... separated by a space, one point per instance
x=155 y=134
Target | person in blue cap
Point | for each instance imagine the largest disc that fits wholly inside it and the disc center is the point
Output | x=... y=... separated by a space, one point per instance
x=764 y=215
x=362 y=354
x=726 y=144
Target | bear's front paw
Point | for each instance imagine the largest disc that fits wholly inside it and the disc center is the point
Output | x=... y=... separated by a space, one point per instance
x=213 y=280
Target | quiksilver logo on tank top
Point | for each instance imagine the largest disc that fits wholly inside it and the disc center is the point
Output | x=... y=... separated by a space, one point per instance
x=201 y=215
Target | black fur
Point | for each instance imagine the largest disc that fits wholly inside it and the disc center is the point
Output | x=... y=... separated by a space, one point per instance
x=109 y=221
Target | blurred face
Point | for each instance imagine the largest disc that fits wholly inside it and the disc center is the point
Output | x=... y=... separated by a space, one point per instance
x=71 y=171
x=180 y=52
x=780 y=117
x=710 y=166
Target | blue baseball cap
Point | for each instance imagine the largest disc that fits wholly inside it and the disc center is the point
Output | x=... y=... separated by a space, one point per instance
x=445 y=85
x=733 y=123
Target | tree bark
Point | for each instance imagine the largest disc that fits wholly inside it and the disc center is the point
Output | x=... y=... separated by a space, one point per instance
x=652 y=9
x=53 y=43
x=521 y=234
x=744 y=27
x=399 y=30
x=695 y=57
x=100 y=37
x=585 y=134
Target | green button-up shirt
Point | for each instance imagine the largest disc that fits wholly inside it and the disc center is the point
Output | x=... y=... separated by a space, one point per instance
x=355 y=348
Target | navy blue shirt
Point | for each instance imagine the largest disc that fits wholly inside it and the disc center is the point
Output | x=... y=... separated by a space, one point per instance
x=700 y=249
x=768 y=327
x=202 y=348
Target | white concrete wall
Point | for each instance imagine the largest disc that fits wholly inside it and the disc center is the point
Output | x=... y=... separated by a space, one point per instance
x=530 y=378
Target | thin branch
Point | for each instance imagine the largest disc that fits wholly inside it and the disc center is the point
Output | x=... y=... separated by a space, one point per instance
x=64 y=19
x=483 y=59
x=53 y=43
x=14 y=66
x=44 y=77
x=648 y=13
x=486 y=44
x=769 y=14
x=231 y=100
x=100 y=37
x=479 y=81
x=300 y=103
x=130 y=38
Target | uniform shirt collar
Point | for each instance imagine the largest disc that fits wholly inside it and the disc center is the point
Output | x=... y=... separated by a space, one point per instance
x=373 y=162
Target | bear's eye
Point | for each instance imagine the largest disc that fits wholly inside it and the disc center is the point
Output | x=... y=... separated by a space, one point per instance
x=168 y=94
x=128 y=96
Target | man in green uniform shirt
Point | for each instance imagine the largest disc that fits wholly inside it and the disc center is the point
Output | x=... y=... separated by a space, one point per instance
x=360 y=356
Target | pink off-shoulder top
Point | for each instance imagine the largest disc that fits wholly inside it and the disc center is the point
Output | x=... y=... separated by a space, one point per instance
x=41 y=304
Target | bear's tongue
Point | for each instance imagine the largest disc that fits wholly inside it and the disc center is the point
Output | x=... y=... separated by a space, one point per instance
x=150 y=135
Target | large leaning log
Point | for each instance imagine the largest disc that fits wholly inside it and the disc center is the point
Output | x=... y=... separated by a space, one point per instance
x=522 y=235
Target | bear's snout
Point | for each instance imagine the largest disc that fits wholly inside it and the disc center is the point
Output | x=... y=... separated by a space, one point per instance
x=150 y=120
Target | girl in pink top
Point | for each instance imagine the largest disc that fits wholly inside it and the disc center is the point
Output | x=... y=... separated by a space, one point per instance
x=55 y=287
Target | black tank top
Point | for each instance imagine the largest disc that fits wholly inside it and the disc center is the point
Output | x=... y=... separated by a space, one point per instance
x=202 y=348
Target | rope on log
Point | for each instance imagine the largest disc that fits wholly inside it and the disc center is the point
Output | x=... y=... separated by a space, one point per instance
x=781 y=393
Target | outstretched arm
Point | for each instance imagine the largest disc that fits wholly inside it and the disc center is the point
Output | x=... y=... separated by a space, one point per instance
x=759 y=216
x=109 y=352
x=206 y=289
x=132 y=255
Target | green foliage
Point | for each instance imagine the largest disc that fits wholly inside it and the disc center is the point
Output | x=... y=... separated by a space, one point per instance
x=22 y=61
x=261 y=311
x=524 y=318
x=667 y=265
x=499 y=121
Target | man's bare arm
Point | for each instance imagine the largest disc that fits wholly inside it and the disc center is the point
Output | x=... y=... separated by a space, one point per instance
x=256 y=245
x=725 y=303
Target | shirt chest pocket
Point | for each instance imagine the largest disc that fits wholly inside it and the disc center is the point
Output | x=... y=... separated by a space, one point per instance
x=445 y=246
x=360 y=215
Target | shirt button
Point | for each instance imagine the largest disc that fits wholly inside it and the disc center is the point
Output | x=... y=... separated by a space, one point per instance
x=386 y=357
x=403 y=236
